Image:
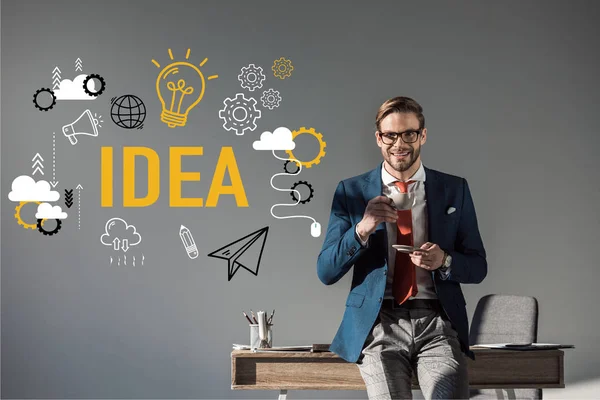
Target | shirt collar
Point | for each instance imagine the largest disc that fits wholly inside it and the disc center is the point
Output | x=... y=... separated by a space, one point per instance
x=388 y=179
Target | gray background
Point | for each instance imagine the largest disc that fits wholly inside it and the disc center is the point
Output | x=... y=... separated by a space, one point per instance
x=510 y=96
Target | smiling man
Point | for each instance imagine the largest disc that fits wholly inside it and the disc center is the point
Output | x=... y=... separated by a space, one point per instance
x=406 y=310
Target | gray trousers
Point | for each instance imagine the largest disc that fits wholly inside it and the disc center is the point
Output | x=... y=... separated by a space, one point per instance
x=406 y=340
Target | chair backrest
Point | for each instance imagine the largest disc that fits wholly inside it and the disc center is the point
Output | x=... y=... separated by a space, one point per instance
x=501 y=318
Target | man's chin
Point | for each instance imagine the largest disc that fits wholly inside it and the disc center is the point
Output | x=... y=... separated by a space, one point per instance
x=400 y=166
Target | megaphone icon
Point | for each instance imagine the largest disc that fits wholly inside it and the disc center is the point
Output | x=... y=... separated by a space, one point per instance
x=86 y=124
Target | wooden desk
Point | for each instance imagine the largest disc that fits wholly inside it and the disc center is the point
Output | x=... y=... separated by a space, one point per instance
x=492 y=369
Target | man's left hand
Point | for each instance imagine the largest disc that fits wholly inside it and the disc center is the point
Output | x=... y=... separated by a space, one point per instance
x=430 y=258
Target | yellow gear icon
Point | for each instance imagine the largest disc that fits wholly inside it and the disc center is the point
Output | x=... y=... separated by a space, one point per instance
x=282 y=68
x=322 y=144
x=20 y=220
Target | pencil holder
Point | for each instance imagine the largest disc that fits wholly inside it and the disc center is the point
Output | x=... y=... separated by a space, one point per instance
x=255 y=342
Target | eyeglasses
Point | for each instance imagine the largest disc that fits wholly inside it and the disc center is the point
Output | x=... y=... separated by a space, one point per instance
x=407 y=136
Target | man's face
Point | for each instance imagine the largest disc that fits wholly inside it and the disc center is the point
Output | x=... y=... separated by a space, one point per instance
x=394 y=154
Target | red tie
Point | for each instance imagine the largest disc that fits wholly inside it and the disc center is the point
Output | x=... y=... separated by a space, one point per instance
x=405 y=280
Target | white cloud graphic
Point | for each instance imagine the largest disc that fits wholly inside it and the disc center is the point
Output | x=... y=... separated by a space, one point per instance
x=47 y=211
x=25 y=188
x=73 y=89
x=280 y=139
x=120 y=234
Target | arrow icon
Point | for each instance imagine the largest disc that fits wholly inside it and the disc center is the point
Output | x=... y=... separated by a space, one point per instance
x=37 y=164
x=78 y=64
x=68 y=198
x=56 y=78
x=125 y=245
x=53 y=182
x=79 y=187
x=116 y=243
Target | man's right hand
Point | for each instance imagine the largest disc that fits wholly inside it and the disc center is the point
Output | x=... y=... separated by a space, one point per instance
x=379 y=209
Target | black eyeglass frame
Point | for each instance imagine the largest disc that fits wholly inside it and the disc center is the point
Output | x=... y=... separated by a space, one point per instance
x=399 y=135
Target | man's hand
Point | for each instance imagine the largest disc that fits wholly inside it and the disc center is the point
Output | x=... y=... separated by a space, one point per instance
x=429 y=258
x=379 y=209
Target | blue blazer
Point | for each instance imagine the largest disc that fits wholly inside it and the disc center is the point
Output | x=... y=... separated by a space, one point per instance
x=456 y=233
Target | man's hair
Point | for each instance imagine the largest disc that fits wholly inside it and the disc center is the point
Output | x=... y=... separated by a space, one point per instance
x=400 y=105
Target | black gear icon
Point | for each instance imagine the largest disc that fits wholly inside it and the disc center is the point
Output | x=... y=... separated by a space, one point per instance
x=48 y=233
x=102 y=85
x=310 y=196
x=37 y=105
x=291 y=173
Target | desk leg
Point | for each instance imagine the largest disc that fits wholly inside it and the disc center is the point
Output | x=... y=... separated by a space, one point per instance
x=282 y=394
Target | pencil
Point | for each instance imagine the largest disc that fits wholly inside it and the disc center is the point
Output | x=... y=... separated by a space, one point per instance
x=248 y=318
x=271 y=317
x=253 y=317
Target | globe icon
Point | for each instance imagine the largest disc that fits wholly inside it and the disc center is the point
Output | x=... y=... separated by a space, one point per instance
x=128 y=111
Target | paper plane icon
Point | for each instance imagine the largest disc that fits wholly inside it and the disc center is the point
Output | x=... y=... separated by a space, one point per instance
x=245 y=252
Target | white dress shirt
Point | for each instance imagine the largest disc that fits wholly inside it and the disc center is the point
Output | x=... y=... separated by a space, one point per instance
x=416 y=201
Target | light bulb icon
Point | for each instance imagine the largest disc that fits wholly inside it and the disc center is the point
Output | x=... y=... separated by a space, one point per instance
x=180 y=87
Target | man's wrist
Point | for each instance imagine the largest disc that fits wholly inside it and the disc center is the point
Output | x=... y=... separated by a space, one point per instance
x=363 y=239
x=361 y=233
x=444 y=269
x=442 y=266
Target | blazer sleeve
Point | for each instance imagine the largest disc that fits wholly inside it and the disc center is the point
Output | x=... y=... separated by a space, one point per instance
x=341 y=246
x=469 y=264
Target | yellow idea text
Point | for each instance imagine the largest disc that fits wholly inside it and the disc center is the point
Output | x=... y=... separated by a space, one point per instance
x=225 y=164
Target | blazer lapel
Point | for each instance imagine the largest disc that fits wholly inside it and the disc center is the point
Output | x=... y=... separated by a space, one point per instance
x=435 y=193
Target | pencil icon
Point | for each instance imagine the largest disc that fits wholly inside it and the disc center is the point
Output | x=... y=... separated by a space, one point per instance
x=188 y=242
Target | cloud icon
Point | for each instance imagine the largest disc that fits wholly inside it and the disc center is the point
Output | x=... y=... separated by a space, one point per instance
x=280 y=139
x=47 y=211
x=120 y=235
x=73 y=89
x=25 y=188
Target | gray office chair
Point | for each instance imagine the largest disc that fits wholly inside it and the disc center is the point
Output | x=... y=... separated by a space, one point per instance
x=503 y=318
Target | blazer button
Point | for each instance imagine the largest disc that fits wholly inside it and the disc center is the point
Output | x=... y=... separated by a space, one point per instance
x=385 y=271
x=380 y=299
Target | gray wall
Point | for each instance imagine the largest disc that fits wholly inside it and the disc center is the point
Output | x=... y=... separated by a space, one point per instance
x=510 y=94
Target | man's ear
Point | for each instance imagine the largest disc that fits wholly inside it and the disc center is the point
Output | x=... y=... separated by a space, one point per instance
x=378 y=139
x=423 y=138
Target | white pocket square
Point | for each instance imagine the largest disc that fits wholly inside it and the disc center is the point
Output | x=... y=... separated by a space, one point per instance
x=450 y=210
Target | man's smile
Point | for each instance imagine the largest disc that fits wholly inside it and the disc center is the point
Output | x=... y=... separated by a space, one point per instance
x=400 y=155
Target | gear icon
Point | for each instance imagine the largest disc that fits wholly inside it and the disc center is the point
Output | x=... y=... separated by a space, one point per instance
x=252 y=77
x=270 y=99
x=322 y=144
x=37 y=105
x=48 y=233
x=239 y=104
x=282 y=68
x=95 y=93
x=310 y=196
x=18 y=215
x=287 y=163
